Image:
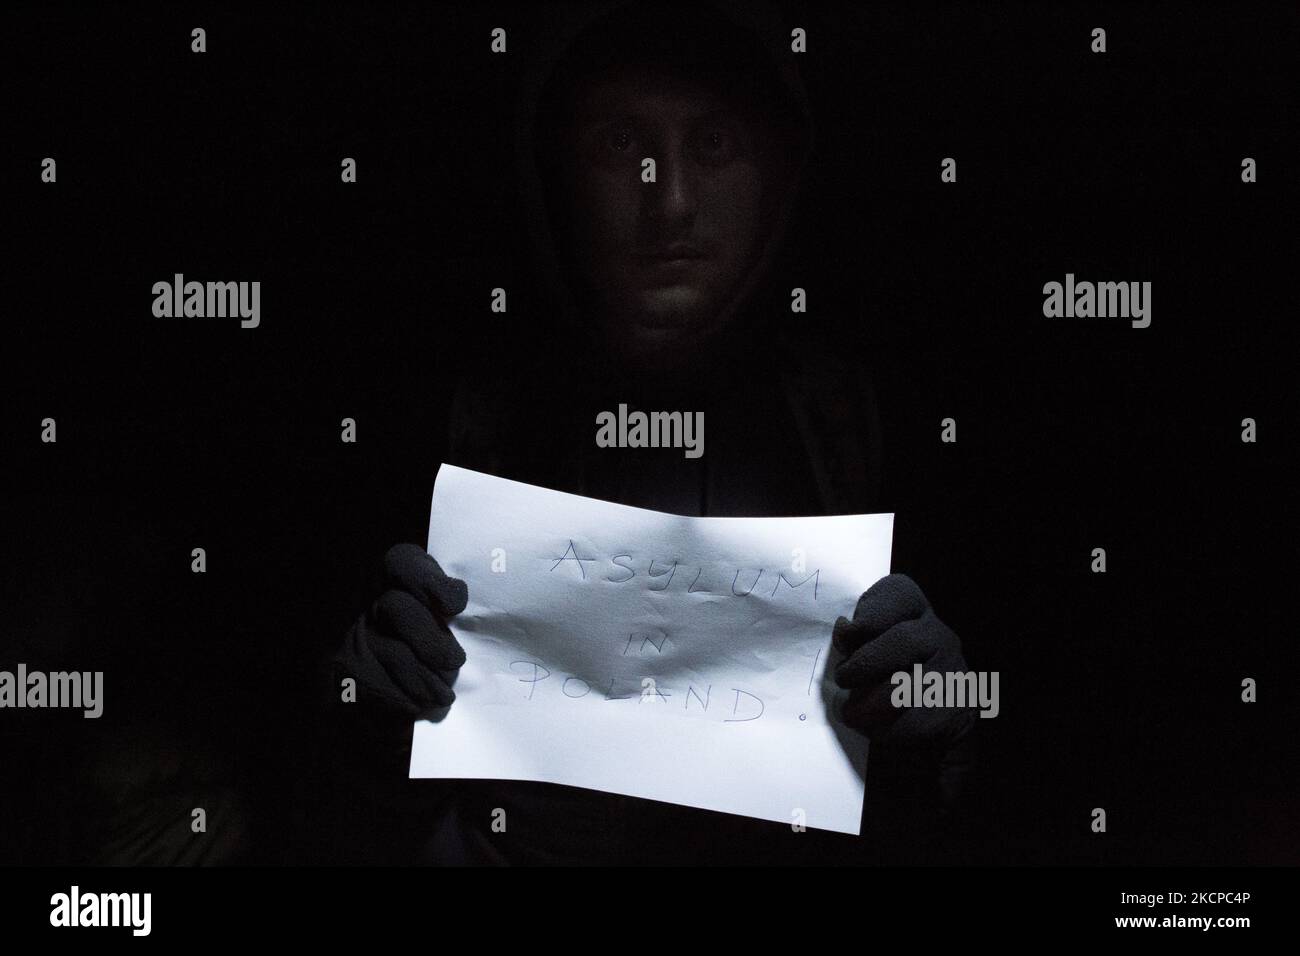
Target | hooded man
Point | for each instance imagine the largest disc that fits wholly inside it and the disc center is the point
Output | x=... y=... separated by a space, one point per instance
x=660 y=295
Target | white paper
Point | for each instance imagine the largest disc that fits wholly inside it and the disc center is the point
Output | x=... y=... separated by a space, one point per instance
x=700 y=679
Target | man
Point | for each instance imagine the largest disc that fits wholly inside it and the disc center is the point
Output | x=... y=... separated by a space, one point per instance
x=663 y=297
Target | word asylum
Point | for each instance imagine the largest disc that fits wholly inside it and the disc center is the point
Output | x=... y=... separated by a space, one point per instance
x=1101 y=300
x=208 y=300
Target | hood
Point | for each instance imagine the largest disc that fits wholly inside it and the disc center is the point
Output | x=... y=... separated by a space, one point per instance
x=744 y=46
x=527 y=412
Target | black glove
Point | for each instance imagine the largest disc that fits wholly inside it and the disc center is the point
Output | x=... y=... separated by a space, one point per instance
x=401 y=652
x=921 y=750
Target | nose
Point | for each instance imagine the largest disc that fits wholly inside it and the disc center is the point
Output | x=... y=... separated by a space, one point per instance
x=671 y=199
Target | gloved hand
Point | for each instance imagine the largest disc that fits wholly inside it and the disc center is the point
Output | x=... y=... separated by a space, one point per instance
x=894 y=627
x=401 y=652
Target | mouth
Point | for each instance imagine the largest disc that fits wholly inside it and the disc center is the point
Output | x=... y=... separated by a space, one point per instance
x=677 y=253
x=673 y=266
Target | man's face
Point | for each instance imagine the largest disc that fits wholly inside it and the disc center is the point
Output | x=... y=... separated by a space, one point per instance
x=660 y=260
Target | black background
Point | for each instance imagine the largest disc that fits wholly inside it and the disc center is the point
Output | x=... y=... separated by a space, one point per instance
x=1119 y=690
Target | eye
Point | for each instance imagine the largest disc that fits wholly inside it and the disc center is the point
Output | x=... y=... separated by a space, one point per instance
x=618 y=139
x=716 y=144
x=613 y=145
